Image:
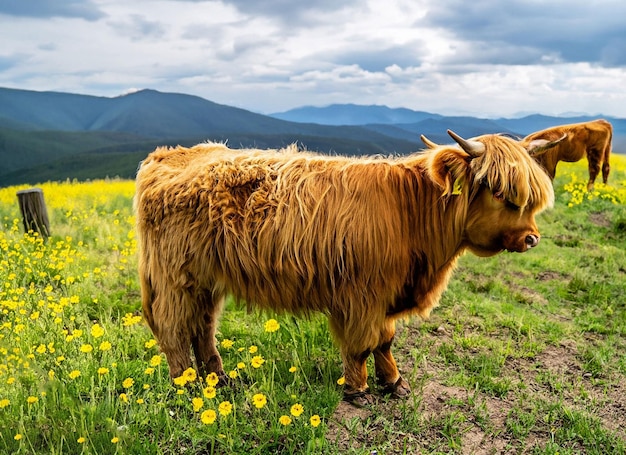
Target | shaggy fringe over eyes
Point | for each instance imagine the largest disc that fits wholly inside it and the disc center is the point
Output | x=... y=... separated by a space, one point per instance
x=514 y=173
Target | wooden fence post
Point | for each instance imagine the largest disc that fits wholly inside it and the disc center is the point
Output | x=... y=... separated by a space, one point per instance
x=34 y=212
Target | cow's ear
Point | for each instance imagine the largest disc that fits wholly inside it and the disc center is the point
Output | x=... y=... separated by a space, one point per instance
x=448 y=170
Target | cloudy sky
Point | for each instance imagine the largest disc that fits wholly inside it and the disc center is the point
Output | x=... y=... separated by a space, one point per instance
x=481 y=57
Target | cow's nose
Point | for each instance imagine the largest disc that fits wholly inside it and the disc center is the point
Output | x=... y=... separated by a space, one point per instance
x=532 y=240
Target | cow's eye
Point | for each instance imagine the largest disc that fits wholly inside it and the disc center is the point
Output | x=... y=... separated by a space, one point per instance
x=499 y=196
x=512 y=206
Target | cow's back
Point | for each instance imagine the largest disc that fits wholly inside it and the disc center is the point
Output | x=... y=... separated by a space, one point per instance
x=288 y=230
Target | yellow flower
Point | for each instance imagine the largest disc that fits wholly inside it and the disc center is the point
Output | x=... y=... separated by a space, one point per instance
x=227 y=344
x=241 y=365
x=151 y=343
x=149 y=370
x=17 y=437
x=225 y=408
x=124 y=397
x=190 y=374
x=212 y=379
x=102 y=371
x=156 y=360
x=257 y=361
x=41 y=349
x=284 y=420
x=81 y=440
x=4 y=403
x=272 y=326
x=253 y=349
x=105 y=346
x=259 y=400
x=297 y=409
x=128 y=319
x=209 y=392
x=197 y=403
x=97 y=331
x=315 y=420
x=32 y=400
x=293 y=369
x=208 y=417
x=140 y=401
x=341 y=380
x=128 y=383
x=115 y=440
x=74 y=374
x=232 y=374
x=86 y=348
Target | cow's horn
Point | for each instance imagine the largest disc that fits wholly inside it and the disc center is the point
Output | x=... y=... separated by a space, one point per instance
x=428 y=143
x=539 y=146
x=472 y=148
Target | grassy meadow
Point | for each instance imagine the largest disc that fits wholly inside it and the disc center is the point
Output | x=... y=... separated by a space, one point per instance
x=526 y=353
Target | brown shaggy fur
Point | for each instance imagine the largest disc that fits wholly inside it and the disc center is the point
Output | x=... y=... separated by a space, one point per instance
x=588 y=138
x=363 y=240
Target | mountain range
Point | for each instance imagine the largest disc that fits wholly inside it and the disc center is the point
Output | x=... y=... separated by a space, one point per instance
x=57 y=136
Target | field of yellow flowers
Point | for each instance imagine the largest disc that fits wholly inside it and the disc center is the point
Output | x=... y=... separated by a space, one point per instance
x=81 y=373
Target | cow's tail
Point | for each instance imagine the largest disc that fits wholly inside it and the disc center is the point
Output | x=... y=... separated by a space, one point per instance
x=606 y=166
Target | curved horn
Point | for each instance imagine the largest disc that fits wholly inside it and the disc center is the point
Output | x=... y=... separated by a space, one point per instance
x=472 y=148
x=540 y=146
x=428 y=143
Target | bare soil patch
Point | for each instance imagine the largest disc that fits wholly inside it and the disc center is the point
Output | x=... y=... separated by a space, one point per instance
x=473 y=422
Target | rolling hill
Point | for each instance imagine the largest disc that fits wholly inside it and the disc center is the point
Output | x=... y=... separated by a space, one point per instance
x=55 y=136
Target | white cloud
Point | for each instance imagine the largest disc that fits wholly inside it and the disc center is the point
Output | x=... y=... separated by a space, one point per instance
x=452 y=57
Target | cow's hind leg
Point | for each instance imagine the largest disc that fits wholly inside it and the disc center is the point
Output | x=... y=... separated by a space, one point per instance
x=593 y=159
x=387 y=373
x=606 y=169
x=203 y=339
x=171 y=325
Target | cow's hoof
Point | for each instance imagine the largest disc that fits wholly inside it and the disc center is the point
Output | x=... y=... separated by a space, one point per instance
x=359 y=399
x=399 y=389
x=225 y=381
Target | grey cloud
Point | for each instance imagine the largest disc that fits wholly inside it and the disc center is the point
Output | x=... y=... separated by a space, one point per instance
x=574 y=31
x=376 y=59
x=289 y=11
x=9 y=61
x=137 y=28
x=83 y=9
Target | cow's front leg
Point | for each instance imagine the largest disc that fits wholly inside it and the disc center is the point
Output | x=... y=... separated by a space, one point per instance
x=387 y=373
x=356 y=390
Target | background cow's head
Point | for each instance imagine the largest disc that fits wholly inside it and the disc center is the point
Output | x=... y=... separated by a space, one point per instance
x=503 y=189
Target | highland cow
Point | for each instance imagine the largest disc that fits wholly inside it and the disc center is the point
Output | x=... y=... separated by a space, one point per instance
x=592 y=139
x=365 y=241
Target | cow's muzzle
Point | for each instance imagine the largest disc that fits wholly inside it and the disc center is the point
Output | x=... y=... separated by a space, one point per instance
x=531 y=241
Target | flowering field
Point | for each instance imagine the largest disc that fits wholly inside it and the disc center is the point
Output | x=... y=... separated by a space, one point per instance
x=81 y=373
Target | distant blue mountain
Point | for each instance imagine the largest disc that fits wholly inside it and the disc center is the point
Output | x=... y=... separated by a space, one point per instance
x=353 y=114
x=408 y=124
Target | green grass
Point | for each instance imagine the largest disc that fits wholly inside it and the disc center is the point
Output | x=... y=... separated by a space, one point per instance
x=524 y=355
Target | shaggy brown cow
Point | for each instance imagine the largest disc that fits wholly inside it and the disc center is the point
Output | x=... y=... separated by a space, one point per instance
x=364 y=240
x=590 y=138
